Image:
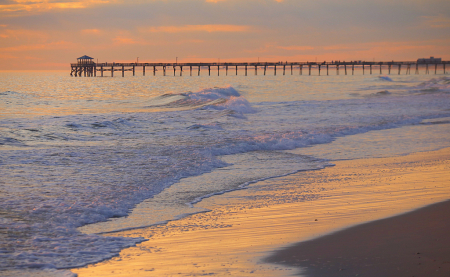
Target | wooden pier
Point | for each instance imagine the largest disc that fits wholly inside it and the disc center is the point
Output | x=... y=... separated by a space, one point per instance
x=87 y=68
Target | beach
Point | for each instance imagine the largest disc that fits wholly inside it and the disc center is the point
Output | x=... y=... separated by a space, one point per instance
x=245 y=227
x=165 y=176
x=412 y=244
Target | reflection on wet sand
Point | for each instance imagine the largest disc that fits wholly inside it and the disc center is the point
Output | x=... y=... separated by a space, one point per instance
x=244 y=226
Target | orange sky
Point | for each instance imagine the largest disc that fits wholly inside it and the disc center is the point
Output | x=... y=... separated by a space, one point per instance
x=50 y=34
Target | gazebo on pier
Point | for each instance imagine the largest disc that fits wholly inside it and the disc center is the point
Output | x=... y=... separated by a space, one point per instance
x=85 y=60
x=85 y=65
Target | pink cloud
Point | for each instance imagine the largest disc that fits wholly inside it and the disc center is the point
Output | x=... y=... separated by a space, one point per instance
x=438 y=21
x=125 y=40
x=199 y=28
x=91 y=31
x=296 y=48
x=41 y=46
x=30 y=6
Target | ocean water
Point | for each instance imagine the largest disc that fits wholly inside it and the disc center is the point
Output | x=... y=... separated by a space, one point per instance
x=85 y=156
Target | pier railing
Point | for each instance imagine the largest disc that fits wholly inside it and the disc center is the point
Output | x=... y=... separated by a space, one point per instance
x=91 y=69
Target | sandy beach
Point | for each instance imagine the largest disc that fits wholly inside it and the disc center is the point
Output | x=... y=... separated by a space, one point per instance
x=245 y=227
x=412 y=244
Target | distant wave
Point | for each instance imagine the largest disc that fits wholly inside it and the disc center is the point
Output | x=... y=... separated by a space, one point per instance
x=226 y=98
x=8 y=92
x=441 y=84
x=385 y=78
x=382 y=93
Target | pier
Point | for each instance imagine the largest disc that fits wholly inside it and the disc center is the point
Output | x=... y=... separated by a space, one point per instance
x=87 y=68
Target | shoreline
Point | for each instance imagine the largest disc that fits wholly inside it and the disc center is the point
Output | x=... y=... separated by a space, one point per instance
x=411 y=244
x=245 y=226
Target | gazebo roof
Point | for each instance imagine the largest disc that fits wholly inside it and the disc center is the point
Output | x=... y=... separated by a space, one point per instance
x=85 y=58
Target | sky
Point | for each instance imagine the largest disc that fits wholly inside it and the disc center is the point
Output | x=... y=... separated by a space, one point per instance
x=51 y=34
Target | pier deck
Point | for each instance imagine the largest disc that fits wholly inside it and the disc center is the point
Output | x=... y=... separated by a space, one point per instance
x=91 y=69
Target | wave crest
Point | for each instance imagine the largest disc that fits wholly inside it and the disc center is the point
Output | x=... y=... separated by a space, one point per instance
x=227 y=98
x=441 y=84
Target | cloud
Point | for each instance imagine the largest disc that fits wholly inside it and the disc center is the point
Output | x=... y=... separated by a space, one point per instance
x=125 y=40
x=385 y=50
x=436 y=21
x=340 y=47
x=20 y=57
x=296 y=48
x=28 y=6
x=199 y=28
x=91 y=31
x=41 y=46
x=24 y=35
x=216 y=1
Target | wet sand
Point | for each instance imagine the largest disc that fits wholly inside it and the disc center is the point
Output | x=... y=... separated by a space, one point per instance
x=245 y=226
x=412 y=244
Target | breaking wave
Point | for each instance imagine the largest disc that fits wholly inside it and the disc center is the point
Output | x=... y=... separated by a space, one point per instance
x=226 y=98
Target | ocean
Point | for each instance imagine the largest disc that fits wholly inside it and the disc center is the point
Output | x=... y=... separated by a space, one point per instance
x=85 y=156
